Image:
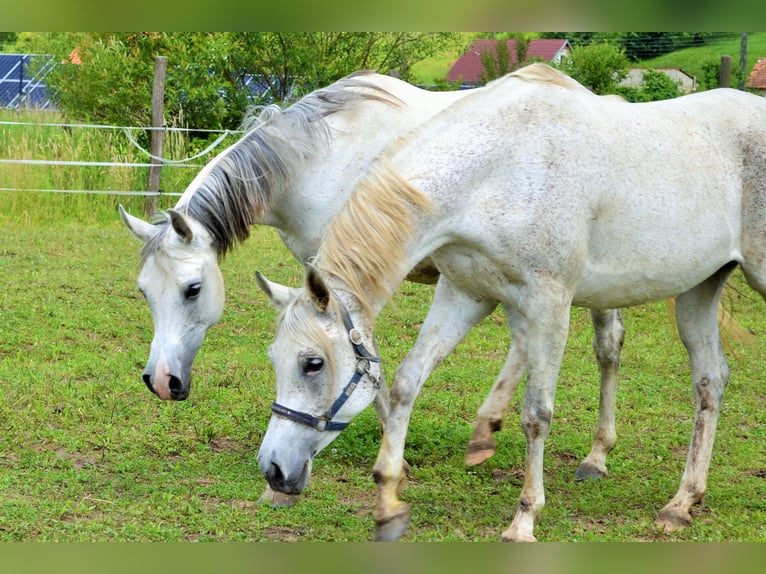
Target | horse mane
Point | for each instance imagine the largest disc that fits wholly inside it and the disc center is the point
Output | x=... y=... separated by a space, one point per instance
x=364 y=246
x=543 y=73
x=238 y=189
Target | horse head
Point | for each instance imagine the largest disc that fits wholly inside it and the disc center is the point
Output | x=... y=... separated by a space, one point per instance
x=183 y=286
x=325 y=375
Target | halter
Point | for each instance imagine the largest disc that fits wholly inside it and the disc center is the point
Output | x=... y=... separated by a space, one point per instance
x=363 y=360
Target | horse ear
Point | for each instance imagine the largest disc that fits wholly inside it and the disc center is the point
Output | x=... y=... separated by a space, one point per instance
x=138 y=227
x=317 y=288
x=279 y=295
x=180 y=225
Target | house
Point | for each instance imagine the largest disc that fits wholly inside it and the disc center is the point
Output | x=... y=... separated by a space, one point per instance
x=686 y=83
x=468 y=68
x=756 y=81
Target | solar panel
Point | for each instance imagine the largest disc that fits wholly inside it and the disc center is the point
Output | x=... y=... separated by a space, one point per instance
x=22 y=80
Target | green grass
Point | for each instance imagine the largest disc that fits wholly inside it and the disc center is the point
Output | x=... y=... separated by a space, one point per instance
x=692 y=60
x=88 y=454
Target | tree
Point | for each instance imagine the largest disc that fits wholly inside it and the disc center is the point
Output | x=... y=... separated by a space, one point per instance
x=213 y=77
x=496 y=63
x=598 y=66
x=7 y=38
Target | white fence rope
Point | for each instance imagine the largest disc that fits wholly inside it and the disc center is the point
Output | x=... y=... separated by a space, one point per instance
x=87 y=163
x=166 y=161
x=126 y=130
x=96 y=192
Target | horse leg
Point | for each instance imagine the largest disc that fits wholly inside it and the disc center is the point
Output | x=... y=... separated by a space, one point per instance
x=608 y=337
x=697 y=319
x=452 y=314
x=489 y=419
x=381 y=403
x=548 y=326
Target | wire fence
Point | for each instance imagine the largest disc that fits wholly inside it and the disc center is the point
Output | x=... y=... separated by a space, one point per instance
x=128 y=133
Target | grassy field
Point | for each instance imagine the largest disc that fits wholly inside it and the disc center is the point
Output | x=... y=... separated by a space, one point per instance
x=88 y=454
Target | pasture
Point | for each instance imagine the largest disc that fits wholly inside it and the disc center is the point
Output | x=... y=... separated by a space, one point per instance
x=88 y=454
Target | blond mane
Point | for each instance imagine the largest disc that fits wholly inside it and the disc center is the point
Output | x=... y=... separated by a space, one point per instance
x=365 y=245
x=544 y=73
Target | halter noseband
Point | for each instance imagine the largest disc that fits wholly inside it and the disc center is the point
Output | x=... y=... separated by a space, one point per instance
x=363 y=359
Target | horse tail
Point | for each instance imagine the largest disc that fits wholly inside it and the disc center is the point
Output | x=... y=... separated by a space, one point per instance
x=732 y=331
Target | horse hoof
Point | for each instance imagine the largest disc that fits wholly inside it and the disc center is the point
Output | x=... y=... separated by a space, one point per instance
x=517 y=537
x=476 y=457
x=277 y=499
x=589 y=472
x=393 y=529
x=479 y=450
x=673 y=520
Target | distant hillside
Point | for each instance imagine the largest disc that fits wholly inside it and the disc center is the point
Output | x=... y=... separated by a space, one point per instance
x=691 y=60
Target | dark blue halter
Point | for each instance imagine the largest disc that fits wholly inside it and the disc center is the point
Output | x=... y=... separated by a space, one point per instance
x=363 y=360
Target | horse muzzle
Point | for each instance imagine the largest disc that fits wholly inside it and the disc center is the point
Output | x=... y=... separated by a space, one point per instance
x=170 y=380
x=171 y=388
x=282 y=478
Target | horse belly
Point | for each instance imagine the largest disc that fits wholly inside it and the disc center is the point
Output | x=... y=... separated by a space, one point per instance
x=653 y=268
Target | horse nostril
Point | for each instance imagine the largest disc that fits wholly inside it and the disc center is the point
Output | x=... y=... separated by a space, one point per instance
x=148 y=382
x=275 y=476
x=177 y=389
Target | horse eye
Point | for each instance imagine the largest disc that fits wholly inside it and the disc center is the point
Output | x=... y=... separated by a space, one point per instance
x=193 y=291
x=312 y=365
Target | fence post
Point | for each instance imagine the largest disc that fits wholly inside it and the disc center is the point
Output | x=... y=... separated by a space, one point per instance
x=724 y=79
x=158 y=121
x=742 y=61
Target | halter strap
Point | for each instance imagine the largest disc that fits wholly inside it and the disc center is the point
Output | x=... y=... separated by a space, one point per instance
x=363 y=359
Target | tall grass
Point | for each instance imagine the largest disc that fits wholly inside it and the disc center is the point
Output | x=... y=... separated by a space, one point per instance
x=66 y=186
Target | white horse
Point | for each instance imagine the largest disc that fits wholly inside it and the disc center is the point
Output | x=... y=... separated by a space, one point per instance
x=538 y=196
x=294 y=170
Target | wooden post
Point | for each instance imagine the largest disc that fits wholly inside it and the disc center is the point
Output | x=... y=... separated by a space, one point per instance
x=742 y=61
x=158 y=121
x=724 y=78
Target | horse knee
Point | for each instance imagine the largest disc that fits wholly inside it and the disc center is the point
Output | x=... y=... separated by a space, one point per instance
x=710 y=391
x=402 y=392
x=536 y=422
x=608 y=348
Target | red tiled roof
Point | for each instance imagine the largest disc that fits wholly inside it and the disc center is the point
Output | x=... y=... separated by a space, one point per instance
x=469 y=67
x=757 y=78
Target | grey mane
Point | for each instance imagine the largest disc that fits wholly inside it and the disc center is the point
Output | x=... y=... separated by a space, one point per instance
x=239 y=188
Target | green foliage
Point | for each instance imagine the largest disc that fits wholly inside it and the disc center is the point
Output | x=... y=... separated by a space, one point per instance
x=655 y=86
x=206 y=84
x=7 y=39
x=598 y=66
